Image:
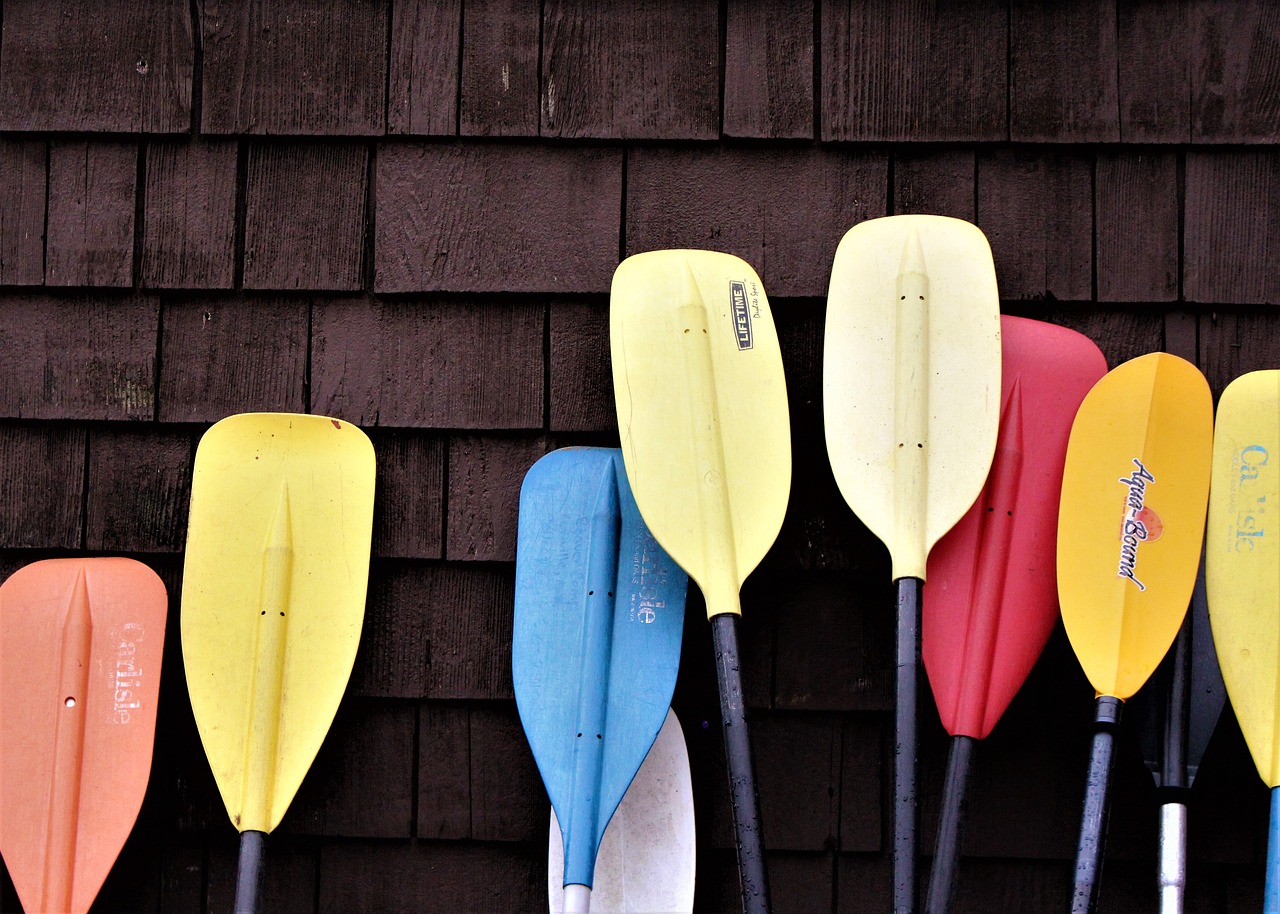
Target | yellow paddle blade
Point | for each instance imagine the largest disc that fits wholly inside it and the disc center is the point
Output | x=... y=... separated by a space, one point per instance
x=1242 y=560
x=911 y=377
x=273 y=598
x=1131 y=519
x=702 y=412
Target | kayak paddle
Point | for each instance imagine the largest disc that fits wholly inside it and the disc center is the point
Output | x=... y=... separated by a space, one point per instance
x=1242 y=577
x=648 y=858
x=910 y=385
x=81 y=642
x=1175 y=713
x=1130 y=528
x=273 y=593
x=599 y=614
x=992 y=600
x=706 y=438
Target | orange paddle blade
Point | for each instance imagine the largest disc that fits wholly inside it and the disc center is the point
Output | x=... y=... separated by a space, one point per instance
x=80 y=648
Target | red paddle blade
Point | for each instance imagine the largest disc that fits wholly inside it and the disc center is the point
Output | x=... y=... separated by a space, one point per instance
x=992 y=598
x=80 y=647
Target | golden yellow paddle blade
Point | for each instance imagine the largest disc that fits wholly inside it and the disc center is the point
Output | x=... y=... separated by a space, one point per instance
x=911 y=377
x=702 y=412
x=1242 y=559
x=1131 y=520
x=273 y=598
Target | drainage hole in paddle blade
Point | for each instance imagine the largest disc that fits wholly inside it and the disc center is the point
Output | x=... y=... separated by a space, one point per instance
x=70 y=702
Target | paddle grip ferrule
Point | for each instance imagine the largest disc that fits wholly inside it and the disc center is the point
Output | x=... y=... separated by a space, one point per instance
x=955 y=806
x=744 y=796
x=905 y=751
x=1093 y=824
x=1173 y=857
x=249 y=873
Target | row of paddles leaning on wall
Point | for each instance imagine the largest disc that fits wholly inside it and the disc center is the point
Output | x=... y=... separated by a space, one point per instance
x=1043 y=480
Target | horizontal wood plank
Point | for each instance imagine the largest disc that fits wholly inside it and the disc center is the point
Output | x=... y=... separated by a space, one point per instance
x=139 y=489
x=486 y=217
x=783 y=213
x=314 y=67
x=305 y=216
x=78 y=357
x=423 y=82
x=24 y=179
x=500 y=54
x=638 y=71
x=429 y=364
x=96 y=66
x=768 y=59
x=41 y=486
x=92 y=199
x=188 y=236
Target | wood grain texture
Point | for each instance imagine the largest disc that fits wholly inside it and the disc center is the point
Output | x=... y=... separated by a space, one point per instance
x=231 y=355
x=423 y=82
x=480 y=878
x=41 y=486
x=440 y=631
x=408 y=504
x=936 y=182
x=24 y=179
x=1181 y=335
x=78 y=357
x=93 y=190
x=1036 y=209
x=96 y=66
x=1136 y=207
x=916 y=71
x=508 y=802
x=1238 y=340
x=362 y=781
x=485 y=474
x=444 y=771
x=188 y=235
x=768 y=59
x=866 y=769
x=1235 y=72
x=316 y=67
x=581 y=377
x=487 y=217
x=1154 y=44
x=139 y=489
x=637 y=71
x=429 y=364
x=783 y=213
x=500 y=53
x=305 y=216
x=1232 y=227
x=1063 y=72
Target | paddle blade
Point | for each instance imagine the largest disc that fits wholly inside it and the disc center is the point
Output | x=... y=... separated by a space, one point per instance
x=648 y=857
x=599 y=614
x=992 y=599
x=702 y=412
x=80 y=647
x=911 y=377
x=273 y=595
x=1242 y=559
x=1131 y=521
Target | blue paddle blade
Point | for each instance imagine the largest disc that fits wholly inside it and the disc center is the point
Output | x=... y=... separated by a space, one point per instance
x=599 y=613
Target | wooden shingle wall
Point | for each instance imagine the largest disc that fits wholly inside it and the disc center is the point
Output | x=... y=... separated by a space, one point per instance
x=407 y=213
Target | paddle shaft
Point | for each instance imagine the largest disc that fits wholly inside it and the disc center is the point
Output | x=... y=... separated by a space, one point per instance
x=249 y=873
x=1093 y=827
x=1271 y=895
x=1172 y=877
x=905 y=752
x=955 y=803
x=743 y=794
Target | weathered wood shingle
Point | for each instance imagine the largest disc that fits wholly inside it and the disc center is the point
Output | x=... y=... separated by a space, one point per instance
x=1232 y=227
x=768 y=69
x=189 y=221
x=24 y=178
x=92 y=199
x=500 y=55
x=423 y=82
x=41 y=486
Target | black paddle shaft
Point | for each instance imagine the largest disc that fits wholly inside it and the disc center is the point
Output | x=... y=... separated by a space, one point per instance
x=955 y=802
x=752 y=872
x=905 y=752
x=1093 y=825
x=249 y=874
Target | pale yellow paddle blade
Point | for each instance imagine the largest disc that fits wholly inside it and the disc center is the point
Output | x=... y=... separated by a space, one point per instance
x=911 y=377
x=1242 y=560
x=1131 y=519
x=702 y=412
x=273 y=598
